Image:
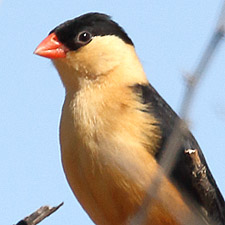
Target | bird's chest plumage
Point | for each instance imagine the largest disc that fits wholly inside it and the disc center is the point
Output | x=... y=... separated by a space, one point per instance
x=90 y=155
x=94 y=147
x=105 y=158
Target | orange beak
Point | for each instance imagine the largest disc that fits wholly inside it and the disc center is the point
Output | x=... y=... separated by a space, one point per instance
x=51 y=48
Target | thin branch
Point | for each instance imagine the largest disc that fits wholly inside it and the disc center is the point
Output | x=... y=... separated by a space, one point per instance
x=39 y=215
x=199 y=177
x=169 y=158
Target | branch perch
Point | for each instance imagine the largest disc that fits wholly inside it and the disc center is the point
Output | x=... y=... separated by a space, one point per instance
x=39 y=215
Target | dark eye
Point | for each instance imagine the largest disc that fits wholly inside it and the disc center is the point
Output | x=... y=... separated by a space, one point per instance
x=84 y=37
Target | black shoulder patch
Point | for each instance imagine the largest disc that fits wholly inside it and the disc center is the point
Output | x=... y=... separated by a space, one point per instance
x=97 y=24
x=159 y=108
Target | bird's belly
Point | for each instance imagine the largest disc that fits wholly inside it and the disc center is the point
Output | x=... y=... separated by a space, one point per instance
x=112 y=196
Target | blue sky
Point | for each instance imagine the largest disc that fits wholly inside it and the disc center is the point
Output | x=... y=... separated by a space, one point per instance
x=169 y=37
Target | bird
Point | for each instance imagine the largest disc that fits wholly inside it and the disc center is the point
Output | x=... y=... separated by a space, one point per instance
x=113 y=131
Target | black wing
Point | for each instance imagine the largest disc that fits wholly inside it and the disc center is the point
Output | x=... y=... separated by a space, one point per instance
x=207 y=197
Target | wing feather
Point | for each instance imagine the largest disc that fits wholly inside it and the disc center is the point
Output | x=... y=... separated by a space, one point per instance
x=205 y=195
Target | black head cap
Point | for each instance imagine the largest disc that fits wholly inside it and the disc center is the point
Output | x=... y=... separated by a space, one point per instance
x=95 y=24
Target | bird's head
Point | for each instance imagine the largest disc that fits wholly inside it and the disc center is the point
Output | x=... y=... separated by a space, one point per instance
x=87 y=47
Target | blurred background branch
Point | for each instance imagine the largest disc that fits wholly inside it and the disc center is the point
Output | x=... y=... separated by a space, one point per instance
x=171 y=151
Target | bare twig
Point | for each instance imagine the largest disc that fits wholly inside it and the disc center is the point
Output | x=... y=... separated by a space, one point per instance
x=199 y=176
x=172 y=147
x=169 y=158
x=39 y=215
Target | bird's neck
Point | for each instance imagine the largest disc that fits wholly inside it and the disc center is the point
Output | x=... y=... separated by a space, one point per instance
x=120 y=69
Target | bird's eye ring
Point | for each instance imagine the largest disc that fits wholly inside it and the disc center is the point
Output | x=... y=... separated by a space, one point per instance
x=84 y=37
